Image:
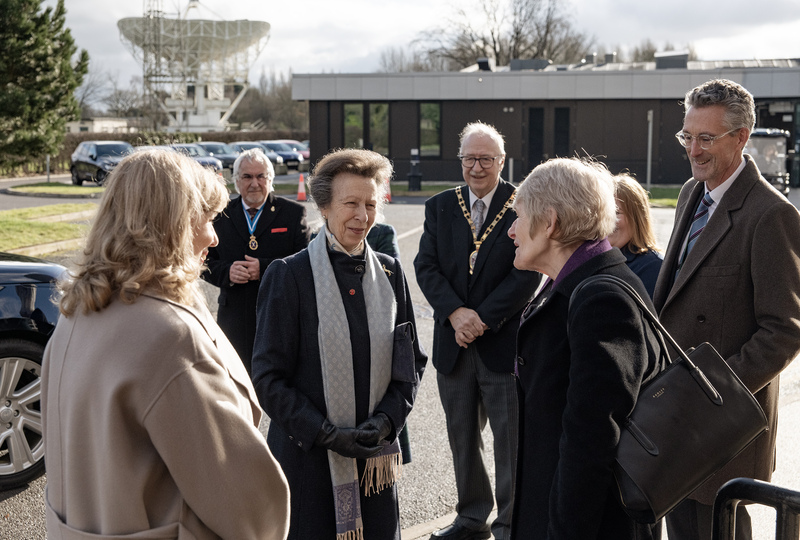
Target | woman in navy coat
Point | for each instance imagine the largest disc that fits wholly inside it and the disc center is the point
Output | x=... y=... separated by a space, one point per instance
x=579 y=368
x=634 y=234
x=335 y=365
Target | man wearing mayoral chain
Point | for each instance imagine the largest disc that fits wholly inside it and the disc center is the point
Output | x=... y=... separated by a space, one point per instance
x=465 y=268
x=254 y=229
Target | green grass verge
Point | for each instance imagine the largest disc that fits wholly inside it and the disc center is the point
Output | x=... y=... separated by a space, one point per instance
x=56 y=188
x=16 y=229
x=665 y=197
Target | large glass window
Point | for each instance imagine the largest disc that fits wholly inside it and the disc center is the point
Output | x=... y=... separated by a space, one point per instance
x=379 y=128
x=354 y=125
x=430 y=130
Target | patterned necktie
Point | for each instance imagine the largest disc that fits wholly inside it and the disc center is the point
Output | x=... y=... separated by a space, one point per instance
x=477 y=215
x=698 y=224
x=252 y=212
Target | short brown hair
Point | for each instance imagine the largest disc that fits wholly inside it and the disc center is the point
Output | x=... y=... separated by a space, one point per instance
x=360 y=162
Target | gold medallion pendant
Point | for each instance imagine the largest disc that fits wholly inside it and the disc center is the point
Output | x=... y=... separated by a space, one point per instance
x=472 y=258
x=253 y=244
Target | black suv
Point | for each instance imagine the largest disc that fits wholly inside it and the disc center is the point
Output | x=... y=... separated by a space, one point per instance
x=93 y=160
x=28 y=316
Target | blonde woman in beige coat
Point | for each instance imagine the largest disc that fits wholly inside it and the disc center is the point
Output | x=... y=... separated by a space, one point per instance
x=151 y=423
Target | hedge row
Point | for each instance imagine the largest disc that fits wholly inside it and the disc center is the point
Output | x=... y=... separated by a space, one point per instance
x=61 y=162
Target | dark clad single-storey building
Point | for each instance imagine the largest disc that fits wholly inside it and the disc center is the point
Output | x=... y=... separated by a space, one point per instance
x=621 y=113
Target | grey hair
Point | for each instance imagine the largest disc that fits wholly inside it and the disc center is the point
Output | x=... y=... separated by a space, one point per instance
x=740 y=108
x=254 y=155
x=360 y=162
x=484 y=129
x=579 y=190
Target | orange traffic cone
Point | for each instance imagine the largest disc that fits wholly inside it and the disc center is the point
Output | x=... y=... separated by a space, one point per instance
x=301 y=189
x=388 y=190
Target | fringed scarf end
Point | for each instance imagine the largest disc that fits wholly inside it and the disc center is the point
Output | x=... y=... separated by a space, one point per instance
x=381 y=472
x=357 y=534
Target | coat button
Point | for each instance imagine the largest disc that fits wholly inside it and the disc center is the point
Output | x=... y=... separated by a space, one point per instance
x=701 y=318
x=520 y=360
x=352 y=292
x=359 y=269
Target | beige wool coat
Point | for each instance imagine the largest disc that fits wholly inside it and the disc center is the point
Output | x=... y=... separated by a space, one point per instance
x=739 y=290
x=151 y=430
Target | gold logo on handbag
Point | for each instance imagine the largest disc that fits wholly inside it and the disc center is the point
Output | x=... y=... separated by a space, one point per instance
x=477 y=243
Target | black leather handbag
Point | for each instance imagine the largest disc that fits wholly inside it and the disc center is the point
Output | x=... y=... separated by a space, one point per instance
x=688 y=422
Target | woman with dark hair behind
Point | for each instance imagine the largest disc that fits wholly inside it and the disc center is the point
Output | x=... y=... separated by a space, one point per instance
x=335 y=364
x=634 y=234
x=150 y=420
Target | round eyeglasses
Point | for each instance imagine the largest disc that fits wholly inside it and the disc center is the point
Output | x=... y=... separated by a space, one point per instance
x=705 y=141
x=469 y=161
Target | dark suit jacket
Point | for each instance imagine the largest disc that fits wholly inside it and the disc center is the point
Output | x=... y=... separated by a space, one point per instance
x=281 y=230
x=287 y=376
x=738 y=290
x=496 y=290
x=580 y=371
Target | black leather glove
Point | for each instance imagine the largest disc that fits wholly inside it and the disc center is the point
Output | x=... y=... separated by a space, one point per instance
x=345 y=441
x=375 y=429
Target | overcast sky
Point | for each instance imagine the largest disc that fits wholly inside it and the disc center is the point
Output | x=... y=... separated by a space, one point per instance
x=347 y=36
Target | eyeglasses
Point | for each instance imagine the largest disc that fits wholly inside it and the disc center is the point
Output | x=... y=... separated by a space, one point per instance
x=469 y=161
x=705 y=141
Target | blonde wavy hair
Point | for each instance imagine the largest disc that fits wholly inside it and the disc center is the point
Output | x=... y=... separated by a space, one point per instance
x=579 y=190
x=142 y=237
x=635 y=204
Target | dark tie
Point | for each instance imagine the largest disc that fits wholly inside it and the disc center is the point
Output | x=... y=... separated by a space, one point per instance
x=252 y=212
x=698 y=224
x=477 y=215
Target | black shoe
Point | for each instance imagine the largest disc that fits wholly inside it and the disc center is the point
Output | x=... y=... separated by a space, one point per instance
x=459 y=532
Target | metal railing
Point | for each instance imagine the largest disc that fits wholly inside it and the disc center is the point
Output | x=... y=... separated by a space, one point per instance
x=785 y=502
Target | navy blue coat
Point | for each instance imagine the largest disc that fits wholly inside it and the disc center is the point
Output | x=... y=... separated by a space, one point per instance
x=288 y=380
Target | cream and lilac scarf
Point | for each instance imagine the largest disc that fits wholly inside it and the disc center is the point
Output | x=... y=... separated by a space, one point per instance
x=337 y=373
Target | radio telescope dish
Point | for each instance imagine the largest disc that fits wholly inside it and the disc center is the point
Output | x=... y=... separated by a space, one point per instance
x=194 y=66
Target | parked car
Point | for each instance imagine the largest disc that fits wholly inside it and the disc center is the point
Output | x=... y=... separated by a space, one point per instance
x=297 y=146
x=768 y=149
x=277 y=161
x=93 y=160
x=292 y=159
x=199 y=154
x=221 y=151
x=28 y=316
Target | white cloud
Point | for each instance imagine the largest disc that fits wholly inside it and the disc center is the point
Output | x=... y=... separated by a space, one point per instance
x=314 y=36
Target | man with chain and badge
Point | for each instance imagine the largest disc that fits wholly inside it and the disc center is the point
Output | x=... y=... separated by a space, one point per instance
x=465 y=270
x=254 y=229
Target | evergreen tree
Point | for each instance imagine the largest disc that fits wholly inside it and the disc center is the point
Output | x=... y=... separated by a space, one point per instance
x=38 y=79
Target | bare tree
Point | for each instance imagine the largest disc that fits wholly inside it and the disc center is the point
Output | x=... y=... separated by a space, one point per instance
x=398 y=60
x=646 y=51
x=123 y=102
x=93 y=91
x=504 y=30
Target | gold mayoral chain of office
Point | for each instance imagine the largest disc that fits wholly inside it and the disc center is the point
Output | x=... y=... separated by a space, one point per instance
x=477 y=243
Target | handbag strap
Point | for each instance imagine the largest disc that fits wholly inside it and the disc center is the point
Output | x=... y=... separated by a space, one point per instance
x=658 y=328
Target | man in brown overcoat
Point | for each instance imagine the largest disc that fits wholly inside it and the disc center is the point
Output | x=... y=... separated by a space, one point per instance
x=731 y=276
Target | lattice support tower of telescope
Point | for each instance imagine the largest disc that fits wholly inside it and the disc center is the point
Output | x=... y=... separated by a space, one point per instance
x=196 y=68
